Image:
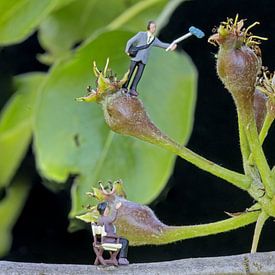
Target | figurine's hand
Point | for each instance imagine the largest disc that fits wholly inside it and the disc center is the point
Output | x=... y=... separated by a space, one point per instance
x=174 y=47
x=118 y=205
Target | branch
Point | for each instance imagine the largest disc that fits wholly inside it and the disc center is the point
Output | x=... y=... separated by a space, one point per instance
x=177 y=233
x=258 y=229
x=258 y=264
x=239 y=180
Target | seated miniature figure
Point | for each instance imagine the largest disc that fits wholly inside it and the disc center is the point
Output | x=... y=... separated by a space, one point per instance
x=110 y=237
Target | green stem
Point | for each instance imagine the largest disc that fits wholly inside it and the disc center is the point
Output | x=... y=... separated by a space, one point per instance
x=247 y=119
x=266 y=126
x=245 y=150
x=177 y=233
x=267 y=204
x=237 y=179
x=258 y=229
x=264 y=131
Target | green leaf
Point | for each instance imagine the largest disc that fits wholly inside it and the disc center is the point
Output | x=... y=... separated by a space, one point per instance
x=89 y=217
x=59 y=32
x=19 y=18
x=72 y=137
x=16 y=124
x=10 y=208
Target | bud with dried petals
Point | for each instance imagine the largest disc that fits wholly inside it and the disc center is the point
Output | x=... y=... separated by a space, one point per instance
x=237 y=60
x=266 y=85
x=123 y=113
x=139 y=224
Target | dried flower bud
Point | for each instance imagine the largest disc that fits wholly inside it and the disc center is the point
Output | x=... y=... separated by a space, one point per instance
x=126 y=115
x=123 y=113
x=106 y=82
x=134 y=221
x=139 y=224
x=266 y=85
x=238 y=59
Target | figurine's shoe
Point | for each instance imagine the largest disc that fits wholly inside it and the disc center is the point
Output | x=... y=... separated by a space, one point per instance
x=124 y=90
x=133 y=92
x=89 y=89
x=123 y=261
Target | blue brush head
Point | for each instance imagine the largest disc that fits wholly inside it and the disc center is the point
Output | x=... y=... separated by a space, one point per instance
x=197 y=32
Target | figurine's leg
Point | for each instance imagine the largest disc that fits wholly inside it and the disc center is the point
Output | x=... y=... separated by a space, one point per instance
x=123 y=252
x=131 y=70
x=137 y=77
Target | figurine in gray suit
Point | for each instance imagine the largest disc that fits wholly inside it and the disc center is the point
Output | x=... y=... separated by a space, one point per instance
x=140 y=60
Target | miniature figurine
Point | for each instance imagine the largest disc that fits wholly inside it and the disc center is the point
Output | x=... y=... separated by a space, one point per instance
x=143 y=42
x=106 y=219
x=108 y=83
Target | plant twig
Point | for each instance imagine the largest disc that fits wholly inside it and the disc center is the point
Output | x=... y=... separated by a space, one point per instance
x=240 y=180
x=176 y=233
x=249 y=124
x=245 y=150
x=258 y=229
x=266 y=126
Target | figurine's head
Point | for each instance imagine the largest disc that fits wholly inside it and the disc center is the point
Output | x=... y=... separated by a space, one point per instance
x=151 y=27
x=103 y=208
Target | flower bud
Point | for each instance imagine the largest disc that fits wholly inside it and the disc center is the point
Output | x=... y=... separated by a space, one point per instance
x=266 y=86
x=106 y=82
x=238 y=59
x=134 y=221
x=126 y=115
x=123 y=113
x=259 y=106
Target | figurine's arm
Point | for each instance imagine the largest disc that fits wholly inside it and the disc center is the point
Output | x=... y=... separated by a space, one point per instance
x=160 y=44
x=132 y=41
x=108 y=219
x=113 y=216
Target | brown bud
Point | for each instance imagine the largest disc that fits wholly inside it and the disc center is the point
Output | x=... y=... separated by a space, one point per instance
x=238 y=59
x=126 y=115
x=259 y=106
x=266 y=86
x=237 y=68
x=134 y=221
x=123 y=113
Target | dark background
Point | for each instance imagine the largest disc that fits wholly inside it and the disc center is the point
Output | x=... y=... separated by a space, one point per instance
x=191 y=196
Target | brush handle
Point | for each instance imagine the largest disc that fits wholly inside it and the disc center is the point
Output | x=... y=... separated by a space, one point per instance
x=192 y=31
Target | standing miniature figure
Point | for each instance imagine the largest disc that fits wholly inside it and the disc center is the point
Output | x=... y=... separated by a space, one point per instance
x=138 y=47
x=106 y=219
